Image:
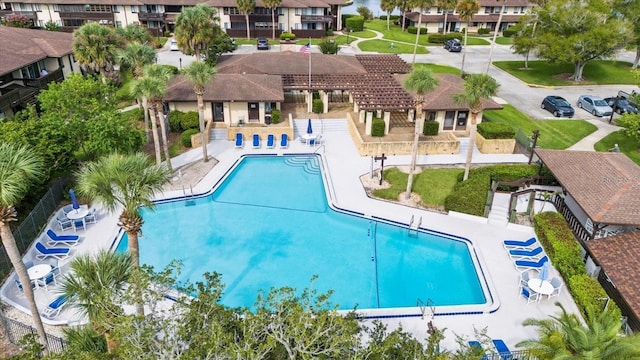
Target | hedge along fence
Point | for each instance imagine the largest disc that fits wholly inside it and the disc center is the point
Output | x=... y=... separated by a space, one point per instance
x=557 y=239
x=496 y=131
x=355 y=23
x=441 y=38
x=377 y=127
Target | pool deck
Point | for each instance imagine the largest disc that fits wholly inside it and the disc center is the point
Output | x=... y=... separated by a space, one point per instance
x=345 y=167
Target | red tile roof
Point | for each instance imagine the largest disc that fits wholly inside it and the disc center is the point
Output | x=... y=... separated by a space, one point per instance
x=21 y=47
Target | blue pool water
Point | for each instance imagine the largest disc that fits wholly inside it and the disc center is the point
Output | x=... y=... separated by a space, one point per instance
x=268 y=224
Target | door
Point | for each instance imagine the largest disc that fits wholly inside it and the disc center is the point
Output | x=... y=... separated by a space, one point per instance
x=448 y=120
x=218 y=112
x=461 y=122
x=254 y=112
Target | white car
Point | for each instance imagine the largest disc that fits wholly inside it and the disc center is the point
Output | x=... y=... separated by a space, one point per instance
x=595 y=105
x=173 y=45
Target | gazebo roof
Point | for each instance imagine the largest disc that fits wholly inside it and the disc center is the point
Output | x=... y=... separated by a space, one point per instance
x=606 y=185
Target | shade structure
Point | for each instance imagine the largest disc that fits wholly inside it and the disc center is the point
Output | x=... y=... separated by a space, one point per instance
x=309 y=128
x=74 y=201
x=544 y=272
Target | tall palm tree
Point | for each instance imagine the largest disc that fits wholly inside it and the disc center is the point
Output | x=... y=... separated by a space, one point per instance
x=94 y=47
x=403 y=6
x=565 y=337
x=476 y=88
x=420 y=80
x=495 y=34
x=195 y=27
x=273 y=5
x=388 y=6
x=152 y=85
x=446 y=5
x=200 y=74
x=466 y=10
x=19 y=168
x=94 y=286
x=134 y=33
x=421 y=5
x=136 y=56
x=245 y=7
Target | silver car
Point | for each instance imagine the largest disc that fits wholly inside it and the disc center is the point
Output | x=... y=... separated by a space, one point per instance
x=595 y=105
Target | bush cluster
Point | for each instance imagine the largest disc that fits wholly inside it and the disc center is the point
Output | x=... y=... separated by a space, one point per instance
x=185 y=138
x=377 y=127
x=560 y=245
x=318 y=106
x=179 y=121
x=469 y=196
x=491 y=130
x=175 y=116
x=441 y=38
x=287 y=36
x=414 y=30
x=355 y=23
x=431 y=128
x=484 y=31
x=510 y=31
x=392 y=17
x=328 y=47
x=275 y=116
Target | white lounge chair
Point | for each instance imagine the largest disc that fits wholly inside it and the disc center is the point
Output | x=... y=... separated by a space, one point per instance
x=53 y=309
x=45 y=252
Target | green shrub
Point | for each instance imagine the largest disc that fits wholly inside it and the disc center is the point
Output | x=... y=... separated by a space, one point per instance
x=344 y=19
x=510 y=31
x=175 y=119
x=496 y=131
x=377 y=127
x=431 y=128
x=190 y=120
x=136 y=114
x=328 y=47
x=484 y=31
x=329 y=32
x=589 y=294
x=185 y=138
x=355 y=23
x=318 y=106
x=174 y=70
x=469 y=196
x=441 y=38
x=275 y=116
x=392 y=17
x=414 y=30
x=557 y=239
x=287 y=36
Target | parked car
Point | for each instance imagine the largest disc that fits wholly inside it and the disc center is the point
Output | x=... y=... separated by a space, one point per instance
x=558 y=106
x=173 y=45
x=595 y=105
x=622 y=106
x=263 y=44
x=453 y=45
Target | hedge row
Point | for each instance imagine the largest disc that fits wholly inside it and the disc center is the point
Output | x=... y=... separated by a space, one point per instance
x=414 y=30
x=510 y=31
x=491 y=130
x=484 y=31
x=469 y=196
x=431 y=128
x=180 y=121
x=557 y=239
x=377 y=127
x=392 y=17
x=441 y=38
x=355 y=23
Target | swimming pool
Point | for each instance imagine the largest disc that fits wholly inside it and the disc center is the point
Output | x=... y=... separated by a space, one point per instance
x=268 y=224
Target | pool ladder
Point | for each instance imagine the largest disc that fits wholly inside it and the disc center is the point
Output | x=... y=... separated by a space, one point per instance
x=414 y=226
x=189 y=201
x=424 y=305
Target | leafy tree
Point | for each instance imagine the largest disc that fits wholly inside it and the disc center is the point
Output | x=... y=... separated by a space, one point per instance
x=220 y=44
x=566 y=337
x=51 y=26
x=364 y=12
x=134 y=34
x=446 y=5
x=524 y=41
x=476 y=88
x=631 y=123
x=245 y=7
x=388 y=6
x=630 y=10
x=200 y=74
x=421 y=5
x=18 y=21
x=328 y=47
x=466 y=10
x=112 y=131
x=19 y=167
x=421 y=80
x=273 y=5
x=563 y=37
x=195 y=28
x=403 y=6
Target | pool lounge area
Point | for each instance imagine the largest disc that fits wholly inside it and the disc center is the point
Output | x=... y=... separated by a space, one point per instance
x=502 y=314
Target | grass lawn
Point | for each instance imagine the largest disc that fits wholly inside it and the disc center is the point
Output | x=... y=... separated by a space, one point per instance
x=596 y=72
x=396 y=33
x=475 y=41
x=383 y=46
x=124 y=92
x=554 y=134
x=439 y=69
x=627 y=145
x=433 y=185
x=504 y=40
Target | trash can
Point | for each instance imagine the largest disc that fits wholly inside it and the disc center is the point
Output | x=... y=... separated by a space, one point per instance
x=267 y=119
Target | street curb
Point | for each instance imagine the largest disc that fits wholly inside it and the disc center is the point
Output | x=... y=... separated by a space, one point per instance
x=541 y=86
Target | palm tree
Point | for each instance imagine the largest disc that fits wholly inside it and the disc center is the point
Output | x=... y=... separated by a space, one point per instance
x=134 y=33
x=446 y=5
x=95 y=285
x=476 y=88
x=136 y=56
x=565 y=337
x=273 y=5
x=245 y=7
x=195 y=27
x=94 y=47
x=421 y=5
x=403 y=6
x=200 y=74
x=388 y=6
x=152 y=85
x=495 y=34
x=421 y=80
x=19 y=168
x=466 y=10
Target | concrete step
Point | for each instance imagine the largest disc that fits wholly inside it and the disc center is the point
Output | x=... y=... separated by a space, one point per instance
x=319 y=126
x=218 y=134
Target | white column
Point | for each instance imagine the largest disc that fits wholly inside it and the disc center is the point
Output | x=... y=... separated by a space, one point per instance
x=387 y=121
x=369 y=121
x=361 y=116
x=410 y=115
x=325 y=101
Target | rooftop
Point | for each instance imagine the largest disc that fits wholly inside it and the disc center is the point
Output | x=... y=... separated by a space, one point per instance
x=22 y=47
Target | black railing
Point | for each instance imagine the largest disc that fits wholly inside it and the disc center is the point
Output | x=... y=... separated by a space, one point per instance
x=16 y=330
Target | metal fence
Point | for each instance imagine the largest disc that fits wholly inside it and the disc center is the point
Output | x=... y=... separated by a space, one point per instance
x=524 y=142
x=16 y=330
x=34 y=223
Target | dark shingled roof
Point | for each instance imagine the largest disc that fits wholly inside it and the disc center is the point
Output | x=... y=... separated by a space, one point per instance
x=287 y=62
x=387 y=64
x=605 y=185
x=21 y=47
x=619 y=257
x=229 y=87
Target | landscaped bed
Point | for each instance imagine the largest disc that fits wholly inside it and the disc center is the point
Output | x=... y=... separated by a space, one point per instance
x=596 y=72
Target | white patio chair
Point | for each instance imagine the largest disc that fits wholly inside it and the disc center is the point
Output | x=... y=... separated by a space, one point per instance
x=529 y=294
x=557 y=286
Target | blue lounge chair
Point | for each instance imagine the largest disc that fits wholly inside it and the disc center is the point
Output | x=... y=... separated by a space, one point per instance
x=512 y=244
x=62 y=239
x=523 y=253
x=45 y=252
x=524 y=265
x=53 y=309
x=239 y=140
x=271 y=141
x=284 y=141
x=256 y=141
x=503 y=350
x=476 y=345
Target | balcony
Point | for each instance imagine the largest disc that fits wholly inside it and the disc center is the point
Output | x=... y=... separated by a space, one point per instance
x=101 y=17
x=30 y=14
x=16 y=94
x=316 y=18
x=146 y=16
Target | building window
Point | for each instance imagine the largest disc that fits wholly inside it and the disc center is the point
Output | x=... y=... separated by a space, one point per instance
x=488 y=9
x=523 y=9
x=506 y=10
x=431 y=116
x=281 y=26
x=72 y=22
x=134 y=9
x=461 y=123
x=298 y=11
x=115 y=9
x=226 y=25
x=118 y=24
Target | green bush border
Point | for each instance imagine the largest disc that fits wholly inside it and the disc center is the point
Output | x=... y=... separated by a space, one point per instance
x=377 y=127
x=431 y=128
x=490 y=130
x=185 y=137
